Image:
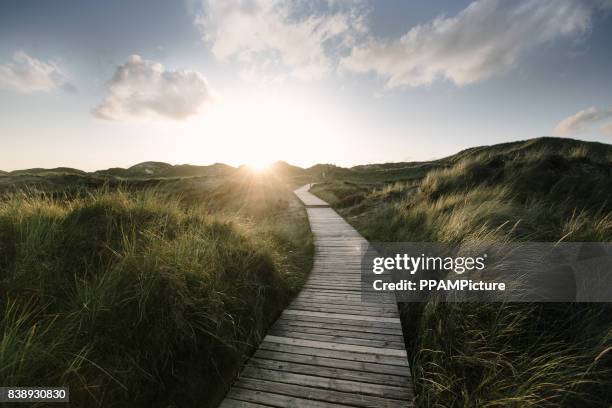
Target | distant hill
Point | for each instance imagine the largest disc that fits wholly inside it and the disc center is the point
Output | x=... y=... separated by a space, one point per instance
x=160 y=169
x=374 y=173
x=595 y=151
x=150 y=167
x=328 y=171
x=552 y=170
x=543 y=147
x=145 y=169
x=41 y=171
x=186 y=170
x=283 y=168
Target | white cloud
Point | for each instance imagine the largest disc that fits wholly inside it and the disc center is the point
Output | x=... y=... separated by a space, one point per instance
x=28 y=74
x=484 y=39
x=583 y=120
x=145 y=89
x=281 y=34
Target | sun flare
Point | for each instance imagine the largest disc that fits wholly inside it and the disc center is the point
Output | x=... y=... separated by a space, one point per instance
x=259 y=164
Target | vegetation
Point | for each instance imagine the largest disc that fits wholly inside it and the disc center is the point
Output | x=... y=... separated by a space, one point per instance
x=499 y=355
x=142 y=296
x=148 y=286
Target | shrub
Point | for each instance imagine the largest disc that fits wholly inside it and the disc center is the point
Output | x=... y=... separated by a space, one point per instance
x=132 y=299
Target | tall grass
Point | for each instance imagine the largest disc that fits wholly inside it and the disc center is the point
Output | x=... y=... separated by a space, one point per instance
x=503 y=355
x=133 y=299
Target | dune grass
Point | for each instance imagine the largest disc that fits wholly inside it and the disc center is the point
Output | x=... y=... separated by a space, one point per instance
x=139 y=299
x=500 y=355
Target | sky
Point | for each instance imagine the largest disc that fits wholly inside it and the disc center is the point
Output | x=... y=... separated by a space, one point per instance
x=93 y=85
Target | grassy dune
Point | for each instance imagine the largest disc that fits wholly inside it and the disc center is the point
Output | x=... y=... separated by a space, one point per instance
x=145 y=297
x=500 y=355
x=148 y=286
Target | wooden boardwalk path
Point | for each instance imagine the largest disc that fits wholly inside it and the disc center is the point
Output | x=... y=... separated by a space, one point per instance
x=328 y=349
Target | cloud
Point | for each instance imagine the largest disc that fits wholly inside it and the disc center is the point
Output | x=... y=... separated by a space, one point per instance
x=583 y=120
x=302 y=37
x=603 y=5
x=484 y=39
x=607 y=129
x=144 y=89
x=28 y=74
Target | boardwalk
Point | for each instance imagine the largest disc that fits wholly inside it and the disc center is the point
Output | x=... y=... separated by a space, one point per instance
x=328 y=349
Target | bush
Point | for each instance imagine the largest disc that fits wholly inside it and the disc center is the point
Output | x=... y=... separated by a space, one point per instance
x=132 y=299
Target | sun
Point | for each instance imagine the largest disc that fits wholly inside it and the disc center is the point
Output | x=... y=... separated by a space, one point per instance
x=259 y=164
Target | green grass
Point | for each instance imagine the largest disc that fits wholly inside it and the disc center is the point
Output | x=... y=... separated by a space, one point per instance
x=142 y=298
x=500 y=355
x=141 y=290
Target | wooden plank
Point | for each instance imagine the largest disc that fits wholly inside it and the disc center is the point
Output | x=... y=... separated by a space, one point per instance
x=333 y=291
x=341 y=298
x=352 y=322
x=389 y=301
x=327 y=326
x=272 y=399
x=336 y=338
x=401 y=393
x=346 y=303
x=395 y=320
x=342 y=355
x=340 y=364
x=336 y=346
x=318 y=394
x=347 y=288
x=331 y=308
x=336 y=331
x=335 y=280
x=332 y=372
x=341 y=305
x=232 y=403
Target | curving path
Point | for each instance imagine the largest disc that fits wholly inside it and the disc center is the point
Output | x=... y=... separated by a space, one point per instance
x=328 y=349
